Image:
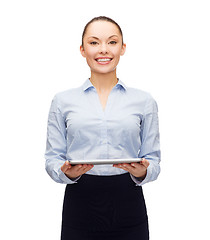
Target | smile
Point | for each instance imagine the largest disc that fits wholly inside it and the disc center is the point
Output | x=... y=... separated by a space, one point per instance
x=103 y=60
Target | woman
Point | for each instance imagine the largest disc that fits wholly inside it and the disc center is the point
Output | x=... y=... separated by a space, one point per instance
x=103 y=119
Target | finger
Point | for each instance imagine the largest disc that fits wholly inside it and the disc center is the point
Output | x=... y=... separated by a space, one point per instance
x=89 y=166
x=138 y=165
x=84 y=168
x=66 y=166
x=135 y=165
x=116 y=165
x=127 y=167
x=78 y=167
x=84 y=171
x=145 y=163
x=120 y=165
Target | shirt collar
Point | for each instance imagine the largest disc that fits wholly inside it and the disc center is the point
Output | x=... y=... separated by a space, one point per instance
x=121 y=84
x=87 y=85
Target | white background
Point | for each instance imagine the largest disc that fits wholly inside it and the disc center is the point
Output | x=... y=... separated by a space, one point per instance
x=168 y=55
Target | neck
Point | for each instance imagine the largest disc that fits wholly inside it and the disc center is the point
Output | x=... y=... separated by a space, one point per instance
x=104 y=82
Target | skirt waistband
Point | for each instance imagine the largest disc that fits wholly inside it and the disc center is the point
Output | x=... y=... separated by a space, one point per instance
x=106 y=181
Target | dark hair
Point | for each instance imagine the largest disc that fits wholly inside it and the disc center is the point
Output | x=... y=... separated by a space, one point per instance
x=101 y=18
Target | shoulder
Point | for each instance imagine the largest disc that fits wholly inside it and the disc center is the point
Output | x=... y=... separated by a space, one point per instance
x=68 y=96
x=65 y=98
x=70 y=93
x=139 y=94
x=143 y=98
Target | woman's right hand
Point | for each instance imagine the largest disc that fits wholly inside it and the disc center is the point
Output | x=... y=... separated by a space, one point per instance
x=75 y=171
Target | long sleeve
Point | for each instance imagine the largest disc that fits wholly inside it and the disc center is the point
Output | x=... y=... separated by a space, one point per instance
x=78 y=128
x=55 y=154
x=150 y=144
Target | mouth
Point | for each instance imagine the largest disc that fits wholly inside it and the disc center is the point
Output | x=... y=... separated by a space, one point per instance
x=103 y=60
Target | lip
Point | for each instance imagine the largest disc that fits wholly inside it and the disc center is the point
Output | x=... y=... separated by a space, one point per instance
x=104 y=62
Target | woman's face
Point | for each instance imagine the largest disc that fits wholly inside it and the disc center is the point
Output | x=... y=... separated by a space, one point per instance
x=102 y=46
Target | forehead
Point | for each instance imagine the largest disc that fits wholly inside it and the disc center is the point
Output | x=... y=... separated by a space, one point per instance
x=102 y=29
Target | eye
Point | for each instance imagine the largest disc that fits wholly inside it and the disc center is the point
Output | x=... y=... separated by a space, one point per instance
x=113 y=42
x=93 y=43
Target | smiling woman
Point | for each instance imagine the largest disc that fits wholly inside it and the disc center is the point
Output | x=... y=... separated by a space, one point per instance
x=102 y=46
x=103 y=119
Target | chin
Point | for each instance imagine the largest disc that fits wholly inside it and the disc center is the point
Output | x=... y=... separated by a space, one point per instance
x=103 y=71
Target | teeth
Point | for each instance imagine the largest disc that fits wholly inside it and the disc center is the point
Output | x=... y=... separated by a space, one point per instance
x=103 y=60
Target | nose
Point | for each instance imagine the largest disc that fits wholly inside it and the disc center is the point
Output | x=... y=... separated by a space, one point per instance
x=103 y=48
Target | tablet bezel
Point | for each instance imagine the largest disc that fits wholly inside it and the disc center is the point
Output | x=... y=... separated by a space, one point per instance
x=104 y=161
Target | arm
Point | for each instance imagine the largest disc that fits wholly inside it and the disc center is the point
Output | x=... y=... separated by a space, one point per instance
x=150 y=142
x=149 y=169
x=55 y=154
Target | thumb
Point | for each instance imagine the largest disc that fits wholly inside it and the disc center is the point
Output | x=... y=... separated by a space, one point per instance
x=66 y=166
x=145 y=163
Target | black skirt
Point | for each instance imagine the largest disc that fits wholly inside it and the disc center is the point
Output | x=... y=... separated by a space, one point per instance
x=104 y=207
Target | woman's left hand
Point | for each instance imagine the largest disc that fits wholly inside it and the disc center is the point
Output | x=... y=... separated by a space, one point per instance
x=136 y=169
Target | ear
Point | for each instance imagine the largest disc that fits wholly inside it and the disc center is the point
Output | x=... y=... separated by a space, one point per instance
x=82 y=51
x=123 y=49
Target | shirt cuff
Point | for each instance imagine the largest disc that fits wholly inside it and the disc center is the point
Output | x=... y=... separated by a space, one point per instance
x=140 y=182
x=65 y=179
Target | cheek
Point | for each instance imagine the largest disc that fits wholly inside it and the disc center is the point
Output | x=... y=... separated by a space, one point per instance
x=90 y=52
x=117 y=52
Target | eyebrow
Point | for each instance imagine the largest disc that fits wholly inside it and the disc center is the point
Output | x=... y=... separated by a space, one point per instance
x=98 y=38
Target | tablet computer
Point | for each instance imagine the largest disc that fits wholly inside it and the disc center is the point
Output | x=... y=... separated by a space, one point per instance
x=105 y=161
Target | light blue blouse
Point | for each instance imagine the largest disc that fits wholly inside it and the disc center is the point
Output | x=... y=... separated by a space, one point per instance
x=78 y=128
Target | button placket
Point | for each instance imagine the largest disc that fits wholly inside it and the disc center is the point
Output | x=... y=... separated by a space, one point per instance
x=103 y=142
